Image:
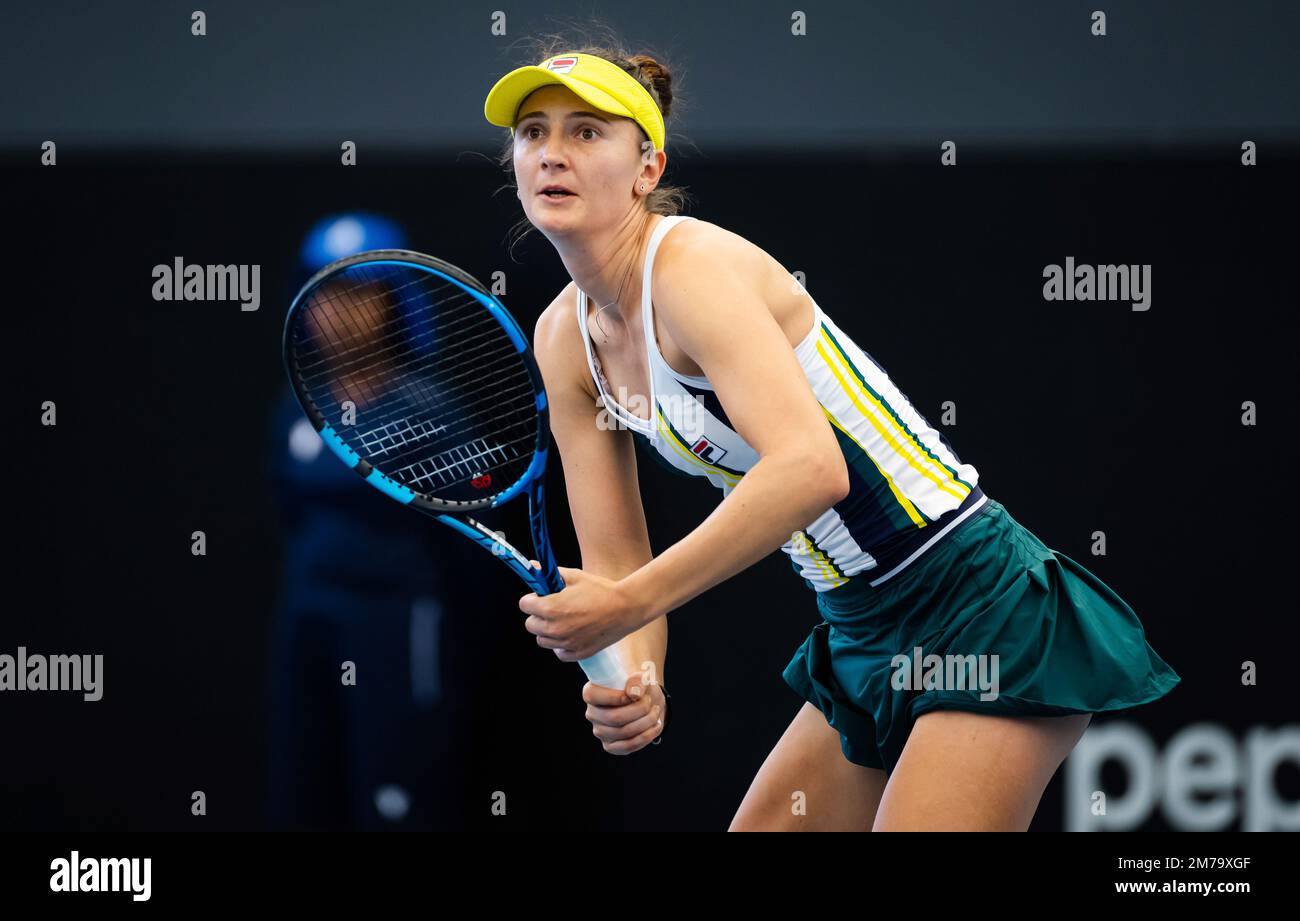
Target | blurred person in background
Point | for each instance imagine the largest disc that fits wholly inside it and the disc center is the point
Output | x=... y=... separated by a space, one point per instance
x=366 y=582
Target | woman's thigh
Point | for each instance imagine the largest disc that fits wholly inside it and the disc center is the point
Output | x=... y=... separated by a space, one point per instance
x=806 y=783
x=963 y=771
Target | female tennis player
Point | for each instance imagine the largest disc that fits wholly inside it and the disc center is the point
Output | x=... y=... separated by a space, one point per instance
x=683 y=336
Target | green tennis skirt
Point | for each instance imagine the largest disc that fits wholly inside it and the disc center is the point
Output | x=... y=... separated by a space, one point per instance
x=987 y=620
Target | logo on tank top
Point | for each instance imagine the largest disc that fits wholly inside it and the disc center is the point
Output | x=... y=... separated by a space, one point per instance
x=707 y=450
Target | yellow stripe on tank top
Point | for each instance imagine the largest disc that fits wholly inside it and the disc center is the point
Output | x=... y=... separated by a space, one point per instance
x=819 y=558
x=685 y=452
x=956 y=489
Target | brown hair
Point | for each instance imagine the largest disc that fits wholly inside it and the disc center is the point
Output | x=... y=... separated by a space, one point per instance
x=651 y=73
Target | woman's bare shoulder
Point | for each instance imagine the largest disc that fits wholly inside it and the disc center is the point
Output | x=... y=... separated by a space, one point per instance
x=701 y=238
x=701 y=248
x=701 y=233
x=557 y=341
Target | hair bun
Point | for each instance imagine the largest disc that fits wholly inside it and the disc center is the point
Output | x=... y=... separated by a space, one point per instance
x=660 y=80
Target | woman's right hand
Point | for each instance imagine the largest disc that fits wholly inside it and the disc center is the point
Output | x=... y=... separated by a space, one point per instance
x=625 y=721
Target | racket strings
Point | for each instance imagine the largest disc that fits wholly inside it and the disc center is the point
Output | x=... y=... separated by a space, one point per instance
x=396 y=433
x=392 y=370
x=390 y=292
x=333 y=368
x=390 y=439
x=333 y=360
x=367 y=352
x=436 y=386
x=442 y=394
x=460 y=463
x=502 y=383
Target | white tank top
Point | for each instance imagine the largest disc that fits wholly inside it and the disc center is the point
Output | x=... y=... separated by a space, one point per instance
x=907 y=487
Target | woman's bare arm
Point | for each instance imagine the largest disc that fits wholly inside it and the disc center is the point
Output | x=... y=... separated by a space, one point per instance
x=712 y=305
x=600 y=472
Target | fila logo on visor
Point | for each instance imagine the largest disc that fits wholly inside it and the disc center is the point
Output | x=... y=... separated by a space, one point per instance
x=562 y=65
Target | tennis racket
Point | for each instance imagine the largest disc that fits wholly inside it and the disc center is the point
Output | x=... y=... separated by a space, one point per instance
x=418 y=378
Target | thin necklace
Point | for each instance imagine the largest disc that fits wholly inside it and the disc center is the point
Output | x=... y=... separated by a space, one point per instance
x=617 y=297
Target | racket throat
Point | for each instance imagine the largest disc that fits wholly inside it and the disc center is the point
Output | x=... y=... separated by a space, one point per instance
x=499 y=546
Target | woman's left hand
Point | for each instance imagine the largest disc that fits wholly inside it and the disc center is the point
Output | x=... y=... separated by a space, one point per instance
x=588 y=614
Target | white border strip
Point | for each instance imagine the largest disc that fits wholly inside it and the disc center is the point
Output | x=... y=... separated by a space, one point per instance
x=921 y=549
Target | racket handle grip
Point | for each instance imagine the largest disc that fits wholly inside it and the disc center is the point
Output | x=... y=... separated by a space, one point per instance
x=606 y=669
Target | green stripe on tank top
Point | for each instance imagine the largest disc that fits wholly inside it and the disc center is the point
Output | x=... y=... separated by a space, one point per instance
x=878 y=486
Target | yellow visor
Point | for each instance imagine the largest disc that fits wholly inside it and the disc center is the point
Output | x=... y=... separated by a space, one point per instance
x=604 y=85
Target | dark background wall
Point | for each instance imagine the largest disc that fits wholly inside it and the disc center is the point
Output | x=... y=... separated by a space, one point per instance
x=1080 y=416
x=412 y=75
